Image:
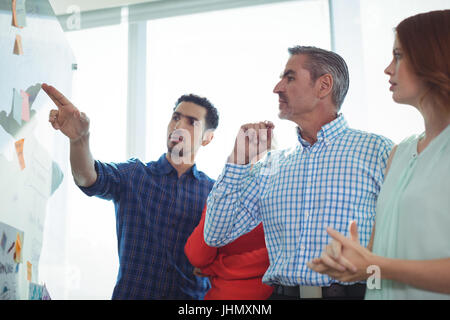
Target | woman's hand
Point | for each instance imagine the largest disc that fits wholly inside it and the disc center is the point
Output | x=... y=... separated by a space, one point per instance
x=344 y=259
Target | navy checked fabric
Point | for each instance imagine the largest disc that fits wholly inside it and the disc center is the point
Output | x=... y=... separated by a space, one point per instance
x=297 y=193
x=155 y=214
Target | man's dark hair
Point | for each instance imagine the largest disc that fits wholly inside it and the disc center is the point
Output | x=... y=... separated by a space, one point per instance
x=212 y=115
x=321 y=62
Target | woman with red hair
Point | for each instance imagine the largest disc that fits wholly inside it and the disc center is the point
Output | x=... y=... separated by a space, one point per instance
x=410 y=249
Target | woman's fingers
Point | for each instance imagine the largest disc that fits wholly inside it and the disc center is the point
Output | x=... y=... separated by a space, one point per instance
x=317 y=266
x=329 y=261
x=336 y=249
x=347 y=264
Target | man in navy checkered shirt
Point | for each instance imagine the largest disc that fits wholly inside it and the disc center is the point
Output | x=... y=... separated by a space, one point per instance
x=331 y=177
x=158 y=204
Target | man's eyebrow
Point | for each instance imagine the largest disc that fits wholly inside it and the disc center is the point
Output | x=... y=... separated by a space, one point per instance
x=289 y=72
x=183 y=115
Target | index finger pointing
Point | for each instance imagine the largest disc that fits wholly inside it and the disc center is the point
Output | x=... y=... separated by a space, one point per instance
x=58 y=98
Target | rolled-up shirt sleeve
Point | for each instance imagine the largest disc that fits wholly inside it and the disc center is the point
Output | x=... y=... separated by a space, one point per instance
x=109 y=181
x=232 y=205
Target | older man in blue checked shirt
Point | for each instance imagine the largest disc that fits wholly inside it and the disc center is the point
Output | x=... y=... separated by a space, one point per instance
x=333 y=176
x=158 y=204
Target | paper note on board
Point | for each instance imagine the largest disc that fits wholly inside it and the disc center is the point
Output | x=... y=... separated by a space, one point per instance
x=35 y=291
x=17 y=106
x=57 y=176
x=19 y=151
x=45 y=293
x=19 y=13
x=18 y=249
x=25 y=105
x=29 y=270
x=3 y=241
x=9 y=275
x=18 y=45
x=38 y=292
x=14 y=14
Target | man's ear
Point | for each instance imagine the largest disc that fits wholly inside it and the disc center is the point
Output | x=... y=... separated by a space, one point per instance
x=207 y=137
x=325 y=83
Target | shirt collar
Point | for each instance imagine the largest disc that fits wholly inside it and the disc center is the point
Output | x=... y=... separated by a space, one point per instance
x=328 y=132
x=164 y=167
x=194 y=171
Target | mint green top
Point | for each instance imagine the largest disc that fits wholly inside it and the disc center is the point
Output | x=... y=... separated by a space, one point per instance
x=413 y=212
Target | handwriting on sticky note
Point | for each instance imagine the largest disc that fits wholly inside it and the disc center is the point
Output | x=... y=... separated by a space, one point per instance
x=11 y=247
x=3 y=241
x=45 y=293
x=19 y=150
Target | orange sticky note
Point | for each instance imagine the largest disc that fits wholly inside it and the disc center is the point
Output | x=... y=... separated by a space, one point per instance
x=25 y=105
x=18 y=13
x=18 y=249
x=29 y=270
x=19 y=151
x=14 y=14
x=18 y=45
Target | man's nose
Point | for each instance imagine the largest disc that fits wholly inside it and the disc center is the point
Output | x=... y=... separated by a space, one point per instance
x=278 y=87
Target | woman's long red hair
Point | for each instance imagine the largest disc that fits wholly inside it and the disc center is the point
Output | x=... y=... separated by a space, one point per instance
x=425 y=39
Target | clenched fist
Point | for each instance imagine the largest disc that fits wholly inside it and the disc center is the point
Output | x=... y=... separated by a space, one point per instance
x=252 y=141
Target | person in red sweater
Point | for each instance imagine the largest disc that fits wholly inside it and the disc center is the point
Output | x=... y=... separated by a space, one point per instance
x=235 y=270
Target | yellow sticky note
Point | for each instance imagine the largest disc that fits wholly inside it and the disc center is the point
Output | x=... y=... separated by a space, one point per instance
x=29 y=270
x=18 y=250
x=19 y=151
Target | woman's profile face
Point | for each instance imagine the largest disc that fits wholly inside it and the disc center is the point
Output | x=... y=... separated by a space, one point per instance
x=406 y=86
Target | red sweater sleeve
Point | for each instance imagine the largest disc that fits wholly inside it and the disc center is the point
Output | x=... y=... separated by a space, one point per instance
x=200 y=255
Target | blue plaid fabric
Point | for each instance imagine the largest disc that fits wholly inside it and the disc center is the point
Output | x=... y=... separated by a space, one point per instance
x=297 y=193
x=155 y=214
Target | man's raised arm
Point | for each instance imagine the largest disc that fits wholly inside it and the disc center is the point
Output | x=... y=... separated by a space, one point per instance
x=75 y=125
x=233 y=203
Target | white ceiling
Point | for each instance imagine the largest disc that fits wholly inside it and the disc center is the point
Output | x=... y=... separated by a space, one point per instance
x=60 y=6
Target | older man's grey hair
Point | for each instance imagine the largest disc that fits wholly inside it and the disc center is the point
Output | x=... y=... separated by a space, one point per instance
x=322 y=62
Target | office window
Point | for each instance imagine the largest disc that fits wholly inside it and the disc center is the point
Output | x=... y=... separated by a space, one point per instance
x=99 y=90
x=378 y=20
x=234 y=58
